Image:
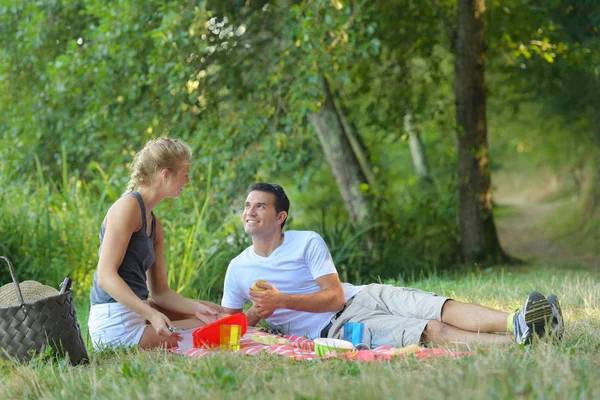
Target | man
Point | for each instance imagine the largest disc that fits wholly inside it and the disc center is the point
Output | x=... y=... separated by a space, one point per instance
x=304 y=296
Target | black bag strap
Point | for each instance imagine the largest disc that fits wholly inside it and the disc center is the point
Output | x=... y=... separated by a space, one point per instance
x=14 y=278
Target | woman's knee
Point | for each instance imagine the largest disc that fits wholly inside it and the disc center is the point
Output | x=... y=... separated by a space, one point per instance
x=151 y=339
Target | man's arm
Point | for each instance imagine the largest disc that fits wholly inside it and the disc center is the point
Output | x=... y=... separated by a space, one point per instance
x=253 y=314
x=232 y=310
x=330 y=297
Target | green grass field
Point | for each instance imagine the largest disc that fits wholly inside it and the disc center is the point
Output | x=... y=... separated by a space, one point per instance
x=555 y=236
x=566 y=370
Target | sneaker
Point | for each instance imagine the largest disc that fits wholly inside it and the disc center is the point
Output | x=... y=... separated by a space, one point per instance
x=532 y=319
x=557 y=326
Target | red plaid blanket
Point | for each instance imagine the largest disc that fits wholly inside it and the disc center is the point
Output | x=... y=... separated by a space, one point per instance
x=300 y=348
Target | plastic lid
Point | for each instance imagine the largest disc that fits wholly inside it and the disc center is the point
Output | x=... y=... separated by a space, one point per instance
x=210 y=335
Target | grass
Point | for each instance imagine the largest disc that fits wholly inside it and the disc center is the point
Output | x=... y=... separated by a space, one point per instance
x=563 y=371
x=51 y=230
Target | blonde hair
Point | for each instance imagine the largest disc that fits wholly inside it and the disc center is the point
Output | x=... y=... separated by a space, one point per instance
x=158 y=154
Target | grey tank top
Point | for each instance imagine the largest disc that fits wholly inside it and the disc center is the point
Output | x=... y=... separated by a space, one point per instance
x=138 y=259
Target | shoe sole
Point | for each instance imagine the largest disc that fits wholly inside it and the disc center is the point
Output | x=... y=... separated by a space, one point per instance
x=537 y=313
x=553 y=300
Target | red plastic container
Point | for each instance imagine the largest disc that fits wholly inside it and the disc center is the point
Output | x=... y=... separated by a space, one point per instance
x=210 y=335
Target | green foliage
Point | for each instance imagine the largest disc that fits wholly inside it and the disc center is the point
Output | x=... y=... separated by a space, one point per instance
x=547 y=53
x=418 y=234
x=48 y=228
x=86 y=83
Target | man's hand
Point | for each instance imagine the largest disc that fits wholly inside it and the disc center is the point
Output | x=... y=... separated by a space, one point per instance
x=255 y=314
x=267 y=300
x=223 y=315
x=261 y=313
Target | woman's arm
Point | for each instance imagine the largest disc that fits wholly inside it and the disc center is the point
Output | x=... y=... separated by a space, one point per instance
x=122 y=220
x=168 y=299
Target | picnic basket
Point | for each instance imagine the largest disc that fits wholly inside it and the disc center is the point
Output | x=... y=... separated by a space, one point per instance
x=27 y=328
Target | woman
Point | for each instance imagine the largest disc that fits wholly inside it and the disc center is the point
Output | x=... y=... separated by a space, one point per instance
x=131 y=264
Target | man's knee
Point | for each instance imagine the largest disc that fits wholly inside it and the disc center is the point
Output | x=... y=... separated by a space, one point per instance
x=433 y=330
x=448 y=306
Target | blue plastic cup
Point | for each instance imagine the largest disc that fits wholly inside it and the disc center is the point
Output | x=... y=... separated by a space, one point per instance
x=353 y=332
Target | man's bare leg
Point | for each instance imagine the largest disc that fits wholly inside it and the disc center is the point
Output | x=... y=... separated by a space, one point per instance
x=437 y=332
x=473 y=317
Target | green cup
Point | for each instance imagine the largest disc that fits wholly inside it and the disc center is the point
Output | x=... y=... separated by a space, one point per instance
x=323 y=346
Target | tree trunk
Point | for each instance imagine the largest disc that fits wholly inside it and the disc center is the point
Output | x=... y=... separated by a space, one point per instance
x=359 y=149
x=341 y=158
x=479 y=239
x=592 y=192
x=417 y=150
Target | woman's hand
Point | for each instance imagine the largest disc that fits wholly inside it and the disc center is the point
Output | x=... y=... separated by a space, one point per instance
x=206 y=314
x=160 y=323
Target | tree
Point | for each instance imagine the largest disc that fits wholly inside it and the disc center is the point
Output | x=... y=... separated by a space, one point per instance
x=417 y=149
x=341 y=158
x=479 y=239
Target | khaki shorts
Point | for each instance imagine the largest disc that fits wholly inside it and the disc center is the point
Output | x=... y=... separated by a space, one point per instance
x=393 y=316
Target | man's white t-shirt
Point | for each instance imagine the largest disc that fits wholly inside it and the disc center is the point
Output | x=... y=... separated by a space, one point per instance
x=292 y=268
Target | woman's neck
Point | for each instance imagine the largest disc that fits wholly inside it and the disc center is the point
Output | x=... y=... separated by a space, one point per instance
x=151 y=198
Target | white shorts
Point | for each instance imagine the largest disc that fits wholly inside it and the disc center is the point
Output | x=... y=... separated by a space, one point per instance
x=114 y=325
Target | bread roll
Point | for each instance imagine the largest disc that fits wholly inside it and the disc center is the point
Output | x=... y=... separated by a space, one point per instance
x=257 y=288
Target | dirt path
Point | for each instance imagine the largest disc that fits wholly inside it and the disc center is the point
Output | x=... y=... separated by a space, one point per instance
x=524 y=230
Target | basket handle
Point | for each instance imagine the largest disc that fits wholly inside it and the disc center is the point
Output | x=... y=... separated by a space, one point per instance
x=14 y=278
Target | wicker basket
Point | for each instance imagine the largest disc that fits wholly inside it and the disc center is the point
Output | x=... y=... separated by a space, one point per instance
x=27 y=328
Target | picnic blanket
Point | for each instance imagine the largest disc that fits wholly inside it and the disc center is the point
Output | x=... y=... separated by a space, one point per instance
x=301 y=348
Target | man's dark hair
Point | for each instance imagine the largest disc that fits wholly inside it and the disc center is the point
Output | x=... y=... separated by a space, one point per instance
x=282 y=203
